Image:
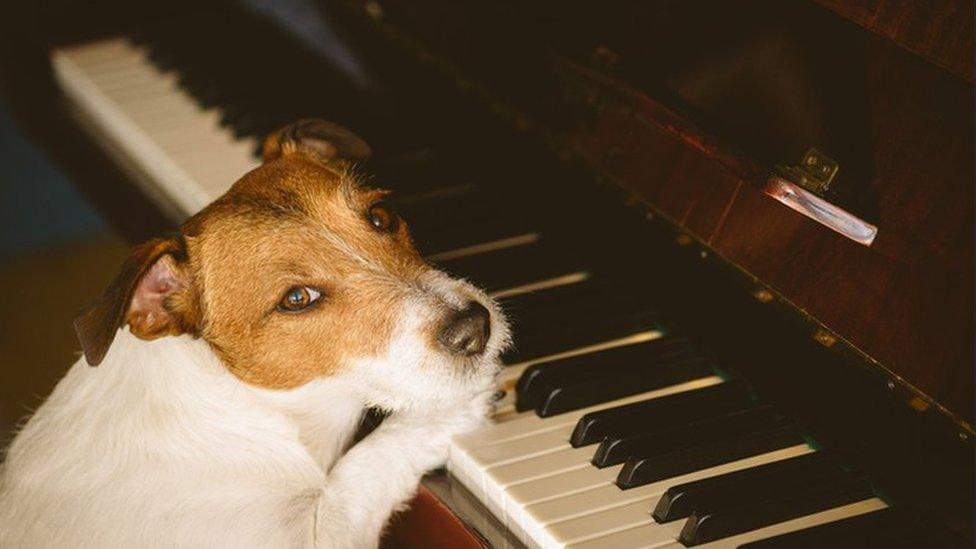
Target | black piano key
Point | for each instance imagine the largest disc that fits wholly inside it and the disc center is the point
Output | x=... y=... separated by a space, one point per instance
x=926 y=536
x=707 y=525
x=573 y=316
x=592 y=296
x=645 y=470
x=422 y=175
x=517 y=265
x=874 y=529
x=542 y=376
x=462 y=221
x=565 y=336
x=618 y=383
x=748 y=486
x=596 y=300
x=615 y=450
x=661 y=413
x=577 y=313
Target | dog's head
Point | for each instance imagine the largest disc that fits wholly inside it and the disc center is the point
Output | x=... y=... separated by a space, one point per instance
x=301 y=272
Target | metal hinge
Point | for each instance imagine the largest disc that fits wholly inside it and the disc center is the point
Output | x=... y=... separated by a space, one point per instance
x=803 y=188
x=814 y=173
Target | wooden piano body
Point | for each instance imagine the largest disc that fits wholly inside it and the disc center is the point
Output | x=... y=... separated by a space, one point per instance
x=676 y=117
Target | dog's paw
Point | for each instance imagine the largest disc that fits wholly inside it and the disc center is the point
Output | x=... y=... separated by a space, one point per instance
x=470 y=413
x=428 y=435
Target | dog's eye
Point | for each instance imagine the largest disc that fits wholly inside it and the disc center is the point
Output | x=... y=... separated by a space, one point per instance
x=298 y=299
x=383 y=217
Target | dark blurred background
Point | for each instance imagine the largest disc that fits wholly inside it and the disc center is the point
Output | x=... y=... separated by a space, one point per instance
x=56 y=254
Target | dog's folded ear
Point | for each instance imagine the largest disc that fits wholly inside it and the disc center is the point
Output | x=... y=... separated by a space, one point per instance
x=320 y=138
x=150 y=294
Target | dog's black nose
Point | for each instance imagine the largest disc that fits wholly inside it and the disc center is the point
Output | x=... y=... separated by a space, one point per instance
x=466 y=331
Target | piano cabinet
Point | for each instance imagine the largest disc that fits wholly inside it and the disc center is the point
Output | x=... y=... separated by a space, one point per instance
x=883 y=87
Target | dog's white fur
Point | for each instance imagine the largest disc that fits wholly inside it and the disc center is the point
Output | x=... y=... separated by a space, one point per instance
x=160 y=446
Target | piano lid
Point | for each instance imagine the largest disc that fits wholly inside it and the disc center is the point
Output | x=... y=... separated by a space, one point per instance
x=707 y=113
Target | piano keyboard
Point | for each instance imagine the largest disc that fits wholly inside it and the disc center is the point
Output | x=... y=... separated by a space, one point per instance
x=177 y=149
x=614 y=431
x=622 y=473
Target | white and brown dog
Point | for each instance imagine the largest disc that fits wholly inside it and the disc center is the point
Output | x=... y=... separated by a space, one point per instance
x=234 y=361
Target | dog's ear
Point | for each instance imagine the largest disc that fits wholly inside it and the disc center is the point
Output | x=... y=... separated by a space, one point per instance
x=144 y=296
x=322 y=139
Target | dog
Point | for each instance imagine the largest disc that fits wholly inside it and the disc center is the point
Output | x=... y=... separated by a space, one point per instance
x=226 y=369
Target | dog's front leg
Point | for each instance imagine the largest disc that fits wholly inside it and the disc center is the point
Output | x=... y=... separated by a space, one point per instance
x=381 y=473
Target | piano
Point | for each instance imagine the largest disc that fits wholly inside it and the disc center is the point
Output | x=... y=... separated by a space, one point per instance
x=735 y=239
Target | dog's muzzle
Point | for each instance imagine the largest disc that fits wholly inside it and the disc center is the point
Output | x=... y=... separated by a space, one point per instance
x=466 y=332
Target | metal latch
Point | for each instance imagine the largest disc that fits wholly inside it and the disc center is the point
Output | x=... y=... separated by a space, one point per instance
x=803 y=188
x=814 y=173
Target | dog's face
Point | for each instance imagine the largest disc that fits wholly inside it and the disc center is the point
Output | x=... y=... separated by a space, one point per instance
x=300 y=272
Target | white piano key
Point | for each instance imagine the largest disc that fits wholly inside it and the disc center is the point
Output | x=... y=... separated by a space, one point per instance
x=499 y=479
x=126 y=83
x=106 y=55
x=559 y=485
x=167 y=117
x=173 y=132
x=537 y=517
x=159 y=113
x=493 y=455
x=607 y=522
x=93 y=54
x=633 y=538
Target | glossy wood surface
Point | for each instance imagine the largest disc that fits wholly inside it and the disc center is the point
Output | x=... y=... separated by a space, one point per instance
x=900 y=126
x=939 y=30
x=907 y=300
x=428 y=524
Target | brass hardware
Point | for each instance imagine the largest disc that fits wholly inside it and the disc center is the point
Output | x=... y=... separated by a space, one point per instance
x=814 y=173
x=763 y=296
x=684 y=239
x=824 y=338
x=918 y=404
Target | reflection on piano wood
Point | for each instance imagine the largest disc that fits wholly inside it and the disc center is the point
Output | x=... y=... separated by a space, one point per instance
x=628 y=418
